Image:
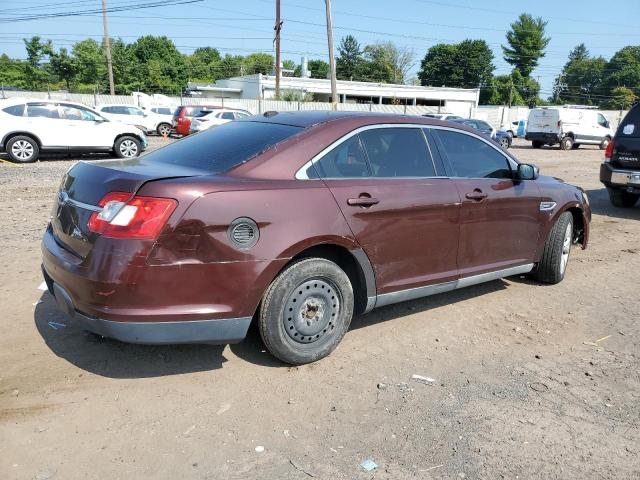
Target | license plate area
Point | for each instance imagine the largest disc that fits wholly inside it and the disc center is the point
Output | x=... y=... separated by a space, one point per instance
x=624 y=178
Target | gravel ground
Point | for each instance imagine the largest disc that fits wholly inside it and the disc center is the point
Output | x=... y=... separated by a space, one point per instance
x=532 y=381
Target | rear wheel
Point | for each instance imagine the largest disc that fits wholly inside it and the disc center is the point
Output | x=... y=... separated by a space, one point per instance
x=605 y=143
x=23 y=149
x=566 y=143
x=555 y=256
x=537 y=144
x=306 y=311
x=127 y=147
x=622 y=199
x=505 y=143
x=164 y=129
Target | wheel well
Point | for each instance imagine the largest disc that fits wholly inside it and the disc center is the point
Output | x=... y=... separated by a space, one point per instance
x=578 y=225
x=570 y=134
x=9 y=136
x=347 y=262
x=126 y=135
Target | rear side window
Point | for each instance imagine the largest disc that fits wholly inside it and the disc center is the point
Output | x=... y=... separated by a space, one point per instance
x=630 y=125
x=16 y=110
x=470 y=157
x=222 y=148
x=347 y=160
x=45 y=110
x=397 y=152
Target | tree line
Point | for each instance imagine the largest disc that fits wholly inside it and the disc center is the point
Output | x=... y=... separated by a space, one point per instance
x=153 y=64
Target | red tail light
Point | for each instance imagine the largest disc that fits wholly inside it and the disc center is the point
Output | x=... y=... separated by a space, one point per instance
x=125 y=217
x=608 y=153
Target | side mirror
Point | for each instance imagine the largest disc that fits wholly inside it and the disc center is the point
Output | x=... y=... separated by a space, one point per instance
x=527 y=171
x=607 y=124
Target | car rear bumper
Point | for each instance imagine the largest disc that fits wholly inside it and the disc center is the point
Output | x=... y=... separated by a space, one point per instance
x=542 y=137
x=210 y=331
x=614 y=177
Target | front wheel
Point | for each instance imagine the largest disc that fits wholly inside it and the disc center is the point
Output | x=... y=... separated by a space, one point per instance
x=306 y=311
x=23 y=149
x=566 y=143
x=504 y=142
x=127 y=147
x=555 y=256
x=622 y=199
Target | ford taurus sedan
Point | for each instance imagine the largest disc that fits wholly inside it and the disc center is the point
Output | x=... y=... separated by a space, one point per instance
x=298 y=221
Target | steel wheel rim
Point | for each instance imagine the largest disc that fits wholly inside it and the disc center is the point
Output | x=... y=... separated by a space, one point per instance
x=311 y=310
x=566 y=249
x=128 y=148
x=22 y=150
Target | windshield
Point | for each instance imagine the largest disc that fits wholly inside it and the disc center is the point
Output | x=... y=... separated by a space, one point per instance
x=222 y=148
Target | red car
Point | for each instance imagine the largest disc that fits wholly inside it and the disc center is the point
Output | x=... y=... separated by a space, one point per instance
x=181 y=122
x=298 y=221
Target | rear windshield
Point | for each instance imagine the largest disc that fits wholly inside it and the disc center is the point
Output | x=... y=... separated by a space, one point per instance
x=630 y=125
x=221 y=148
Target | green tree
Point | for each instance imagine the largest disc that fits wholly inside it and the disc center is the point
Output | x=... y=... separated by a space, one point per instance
x=289 y=65
x=258 y=63
x=91 y=62
x=64 y=66
x=580 y=81
x=164 y=67
x=36 y=72
x=12 y=72
x=527 y=43
x=317 y=69
x=623 y=70
x=467 y=64
x=622 y=98
x=203 y=63
x=385 y=62
x=125 y=67
x=350 y=59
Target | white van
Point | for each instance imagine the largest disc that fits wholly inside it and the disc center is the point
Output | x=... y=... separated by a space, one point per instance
x=570 y=127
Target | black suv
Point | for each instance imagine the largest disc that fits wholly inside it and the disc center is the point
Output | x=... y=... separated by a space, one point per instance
x=620 y=171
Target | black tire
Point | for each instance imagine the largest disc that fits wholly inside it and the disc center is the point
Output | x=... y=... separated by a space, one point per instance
x=510 y=133
x=552 y=266
x=536 y=144
x=164 y=129
x=22 y=149
x=620 y=198
x=127 y=147
x=605 y=143
x=505 y=143
x=320 y=288
x=566 y=143
x=575 y=146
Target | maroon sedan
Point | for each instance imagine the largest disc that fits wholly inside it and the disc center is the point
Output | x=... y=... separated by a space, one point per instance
x=299 y=221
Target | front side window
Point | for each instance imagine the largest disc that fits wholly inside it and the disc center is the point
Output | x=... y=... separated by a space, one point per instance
x=42 y=110
x=471 y=157
x=71 y=112
x=16 y=110
x=484 y=126
x=134 y=111
x=602 y=121
x=108 y=109
x=347 y=160
x=397 y=152
x=227 y=116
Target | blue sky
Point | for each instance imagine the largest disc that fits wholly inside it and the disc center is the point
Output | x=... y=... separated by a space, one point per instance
x=244 y=26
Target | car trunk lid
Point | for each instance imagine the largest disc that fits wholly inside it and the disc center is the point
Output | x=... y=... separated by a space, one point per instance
x=626 y=143
x=85 y=184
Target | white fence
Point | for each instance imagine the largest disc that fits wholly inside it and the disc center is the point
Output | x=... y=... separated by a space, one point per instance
x=496 y=115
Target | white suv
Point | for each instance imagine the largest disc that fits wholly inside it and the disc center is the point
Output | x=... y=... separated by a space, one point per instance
x=216 y=117
x=131 y=115
x=31 y=127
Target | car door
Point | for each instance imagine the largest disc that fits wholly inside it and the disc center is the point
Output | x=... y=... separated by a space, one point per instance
x=400 y=211
x=83 y=128
x=499 y=216
x=43 y=120
x=602 y=127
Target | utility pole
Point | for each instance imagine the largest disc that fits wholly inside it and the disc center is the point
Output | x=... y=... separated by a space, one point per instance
x=332 y=61
x=107 y=47
x=277 y=29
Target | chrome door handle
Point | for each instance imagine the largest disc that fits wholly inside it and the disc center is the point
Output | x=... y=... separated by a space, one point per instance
x=477 y=195
x=362 y=201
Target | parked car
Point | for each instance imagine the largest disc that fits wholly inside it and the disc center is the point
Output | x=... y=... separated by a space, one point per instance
x=480 y=125
x=31 y=127
x=165 y=114
x=183 y=115
x=515 y=129
x=299 y=220
x=442 y=116
x=569 y=127
x=620 y=171
x=132 y=115
x=215 y=118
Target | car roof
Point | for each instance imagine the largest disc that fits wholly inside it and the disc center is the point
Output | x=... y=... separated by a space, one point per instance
x=116 y=105
x=20 y=100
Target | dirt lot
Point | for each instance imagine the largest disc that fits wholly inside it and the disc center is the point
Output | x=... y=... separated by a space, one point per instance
x=533 y=381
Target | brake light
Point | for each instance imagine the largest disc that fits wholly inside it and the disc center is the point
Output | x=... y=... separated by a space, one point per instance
x=559 y=123
x=125 y=217
x=608 y=153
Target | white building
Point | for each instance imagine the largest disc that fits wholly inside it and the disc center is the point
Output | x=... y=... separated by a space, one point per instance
x=459 y=101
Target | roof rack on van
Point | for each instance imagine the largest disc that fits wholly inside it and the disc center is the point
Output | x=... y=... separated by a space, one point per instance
x=582 y=107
